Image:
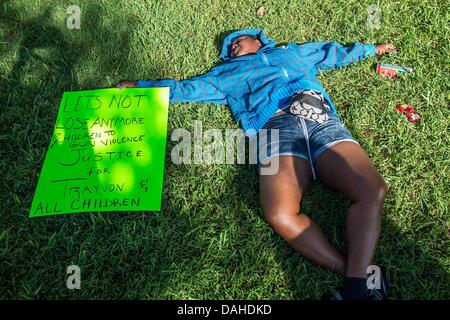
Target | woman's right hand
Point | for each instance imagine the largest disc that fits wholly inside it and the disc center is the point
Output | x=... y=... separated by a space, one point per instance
x=127 y=84
x=385 y=48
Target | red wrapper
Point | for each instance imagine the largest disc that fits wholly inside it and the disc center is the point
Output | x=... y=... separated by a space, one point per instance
x=411 y=114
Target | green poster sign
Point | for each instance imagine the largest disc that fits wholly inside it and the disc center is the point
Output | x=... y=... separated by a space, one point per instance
x=107 y=153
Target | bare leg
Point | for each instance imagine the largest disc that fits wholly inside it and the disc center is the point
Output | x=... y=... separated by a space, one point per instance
x=346 y=168
x=280 y=196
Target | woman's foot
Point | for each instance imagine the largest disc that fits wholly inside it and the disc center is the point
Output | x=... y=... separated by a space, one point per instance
x=371 y=293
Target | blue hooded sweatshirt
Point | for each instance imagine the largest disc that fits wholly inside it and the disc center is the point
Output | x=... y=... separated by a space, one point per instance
x=255 y=86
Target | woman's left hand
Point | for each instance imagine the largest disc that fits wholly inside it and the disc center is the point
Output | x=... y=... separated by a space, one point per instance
x=127 y=84
x=385 y=48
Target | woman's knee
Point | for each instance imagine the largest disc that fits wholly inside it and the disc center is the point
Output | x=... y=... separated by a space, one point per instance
x=289 y=225
x=373 y=192
x=280 y=217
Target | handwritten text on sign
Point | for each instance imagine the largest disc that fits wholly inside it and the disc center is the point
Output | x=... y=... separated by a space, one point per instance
x=106 y=154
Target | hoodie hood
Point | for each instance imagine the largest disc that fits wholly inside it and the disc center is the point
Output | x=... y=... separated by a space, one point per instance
x=225 y=53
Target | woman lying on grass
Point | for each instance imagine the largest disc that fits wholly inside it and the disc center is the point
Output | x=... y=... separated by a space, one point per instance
x=270 y=87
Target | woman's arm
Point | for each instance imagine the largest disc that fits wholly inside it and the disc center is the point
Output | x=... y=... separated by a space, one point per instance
x=333 y=55
x=203 y=88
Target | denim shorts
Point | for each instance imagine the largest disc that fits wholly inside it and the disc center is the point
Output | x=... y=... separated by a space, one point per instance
x=300 y=137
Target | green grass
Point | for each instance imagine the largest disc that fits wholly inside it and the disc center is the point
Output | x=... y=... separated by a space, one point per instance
x=210 y=241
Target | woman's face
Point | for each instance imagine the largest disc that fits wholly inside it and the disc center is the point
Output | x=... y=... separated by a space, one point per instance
x=244 y=45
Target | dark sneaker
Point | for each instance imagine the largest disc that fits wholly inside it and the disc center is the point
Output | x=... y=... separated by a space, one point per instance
x=373 y=293
x=333 y=296
x=382 y=292
x=337 y=295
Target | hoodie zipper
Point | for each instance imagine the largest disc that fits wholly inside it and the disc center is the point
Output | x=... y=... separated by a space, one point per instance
x=285 y=72
x=266 y=61
x=264 y=57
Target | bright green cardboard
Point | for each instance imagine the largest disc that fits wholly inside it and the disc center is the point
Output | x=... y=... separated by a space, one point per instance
x=107 y=153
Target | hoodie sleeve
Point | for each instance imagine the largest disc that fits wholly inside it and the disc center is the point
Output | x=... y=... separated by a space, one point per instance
x=331 y=55
x=203 y=88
